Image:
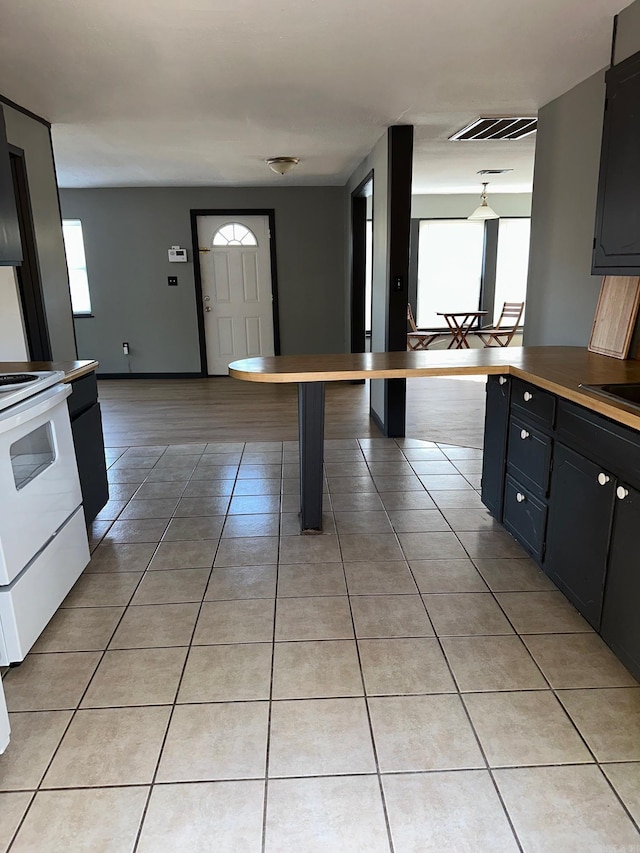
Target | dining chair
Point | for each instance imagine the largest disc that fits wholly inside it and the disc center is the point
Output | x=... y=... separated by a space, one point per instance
x=418 y=339
x=501 y=335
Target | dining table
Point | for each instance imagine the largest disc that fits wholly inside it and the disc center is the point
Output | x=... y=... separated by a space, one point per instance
x=461 y=323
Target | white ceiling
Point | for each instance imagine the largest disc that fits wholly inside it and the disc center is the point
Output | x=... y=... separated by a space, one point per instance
x=153 y=92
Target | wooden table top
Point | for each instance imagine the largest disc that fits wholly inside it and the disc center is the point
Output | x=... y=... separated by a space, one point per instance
x=461 y=313
x=557 y=369
x=72 y=369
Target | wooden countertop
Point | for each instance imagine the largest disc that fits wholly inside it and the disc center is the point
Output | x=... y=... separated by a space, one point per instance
x=72 y=369
x=557 y=369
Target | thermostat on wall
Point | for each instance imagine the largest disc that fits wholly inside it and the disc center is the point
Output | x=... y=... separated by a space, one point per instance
x=177 y=255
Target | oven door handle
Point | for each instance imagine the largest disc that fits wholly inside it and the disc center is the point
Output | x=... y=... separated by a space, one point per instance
x=32 y=407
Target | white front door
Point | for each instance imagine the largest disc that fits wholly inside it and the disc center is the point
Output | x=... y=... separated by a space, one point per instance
x=235 y=270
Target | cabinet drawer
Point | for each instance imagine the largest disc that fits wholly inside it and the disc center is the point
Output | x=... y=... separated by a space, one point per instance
x=539 y=405
x=84 y=393
x=612 y=445
x=529 y=456
x=525 y=517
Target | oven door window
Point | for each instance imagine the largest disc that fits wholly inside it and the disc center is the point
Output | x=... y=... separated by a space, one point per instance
x=31 y=455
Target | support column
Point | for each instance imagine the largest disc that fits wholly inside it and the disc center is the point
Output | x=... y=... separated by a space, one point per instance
x=311 y=436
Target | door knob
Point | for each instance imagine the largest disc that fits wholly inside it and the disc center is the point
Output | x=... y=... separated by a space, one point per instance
x=524 y=434
x=527 y=396
x=520 y=497
x=621 y=492
x=502 y=380
x=603 y=479
x=207 y=308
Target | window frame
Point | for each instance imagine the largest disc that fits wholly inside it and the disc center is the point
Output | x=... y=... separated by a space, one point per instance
x=77 y=314
x=483 y=304
x=420 y=219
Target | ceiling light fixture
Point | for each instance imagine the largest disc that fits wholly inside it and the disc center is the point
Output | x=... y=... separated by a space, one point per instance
x=483 y=211
x=282 y=165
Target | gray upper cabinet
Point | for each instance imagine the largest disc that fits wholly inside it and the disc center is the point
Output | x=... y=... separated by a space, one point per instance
x=616 y=245
x=10 y=244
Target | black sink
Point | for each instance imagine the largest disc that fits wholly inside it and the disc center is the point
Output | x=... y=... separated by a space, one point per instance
x=621 y=392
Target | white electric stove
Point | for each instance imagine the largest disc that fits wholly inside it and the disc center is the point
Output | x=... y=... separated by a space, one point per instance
x=15 y=387
x=43 y=539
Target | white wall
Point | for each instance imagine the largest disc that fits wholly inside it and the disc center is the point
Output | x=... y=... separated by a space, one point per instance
x=12 y=340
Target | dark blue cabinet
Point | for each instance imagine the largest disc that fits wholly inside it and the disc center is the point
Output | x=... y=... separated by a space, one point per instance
x=565 y=482
x=495 y=443
x=616 y=246
x=620 y=626
x=580 y=514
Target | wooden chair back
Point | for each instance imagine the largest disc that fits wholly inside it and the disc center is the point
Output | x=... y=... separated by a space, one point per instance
x=410 y=318
x=418 y=339
x=501 y=335
x=511 y=310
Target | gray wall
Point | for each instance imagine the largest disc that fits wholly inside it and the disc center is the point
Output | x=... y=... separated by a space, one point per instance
x=34 y=138
x=463 y=204
x=127 y=233
x=561 y=293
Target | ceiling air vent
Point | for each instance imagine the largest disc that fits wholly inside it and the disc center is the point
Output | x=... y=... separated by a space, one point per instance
x=498 y=127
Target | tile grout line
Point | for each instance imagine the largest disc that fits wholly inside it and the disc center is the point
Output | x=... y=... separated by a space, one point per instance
x=265 y=802
x=175 y=700
x=374 y=747
x=475 y=733
x=379 y=774
x=74 y=712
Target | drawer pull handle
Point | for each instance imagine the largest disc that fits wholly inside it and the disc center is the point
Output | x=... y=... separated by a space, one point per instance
x=527 y=396
x=502 y=380
x=524 y=435
x=621 y=492
x=520 y=497
x=603 y=479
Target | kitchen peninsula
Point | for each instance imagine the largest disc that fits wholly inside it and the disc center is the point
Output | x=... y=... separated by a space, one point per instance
x=561 y=467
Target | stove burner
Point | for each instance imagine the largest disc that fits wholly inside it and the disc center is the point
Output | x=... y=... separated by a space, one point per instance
x=11 y=380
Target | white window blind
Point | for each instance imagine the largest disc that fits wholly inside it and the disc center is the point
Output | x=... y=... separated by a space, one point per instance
x=449 y=268
x=77 y=265
x=513 y=263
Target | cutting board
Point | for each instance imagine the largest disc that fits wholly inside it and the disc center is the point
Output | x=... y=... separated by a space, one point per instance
x=615 y=315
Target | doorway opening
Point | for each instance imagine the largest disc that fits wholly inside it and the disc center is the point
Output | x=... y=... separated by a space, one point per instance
x=361 y=264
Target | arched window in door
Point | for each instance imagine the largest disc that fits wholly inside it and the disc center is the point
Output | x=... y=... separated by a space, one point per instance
x=234 y=234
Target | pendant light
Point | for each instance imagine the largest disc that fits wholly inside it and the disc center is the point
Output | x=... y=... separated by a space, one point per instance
x=483 y=211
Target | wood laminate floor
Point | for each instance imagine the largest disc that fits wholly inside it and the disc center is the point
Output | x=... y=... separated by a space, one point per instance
x=149 y=412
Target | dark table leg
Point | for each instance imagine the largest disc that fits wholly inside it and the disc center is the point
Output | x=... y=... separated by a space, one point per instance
x=311 y=433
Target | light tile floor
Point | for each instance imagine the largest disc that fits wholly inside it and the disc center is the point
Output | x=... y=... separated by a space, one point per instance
x=406 y=681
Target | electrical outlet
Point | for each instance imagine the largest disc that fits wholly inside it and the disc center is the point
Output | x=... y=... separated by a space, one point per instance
x=172 y=280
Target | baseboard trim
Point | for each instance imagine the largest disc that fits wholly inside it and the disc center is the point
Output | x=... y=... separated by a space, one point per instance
x=151 y=376
x=377 y=421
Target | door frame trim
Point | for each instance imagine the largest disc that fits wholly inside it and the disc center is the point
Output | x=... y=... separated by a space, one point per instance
x=28 y=275
x=358 y=262
x=227 y=211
